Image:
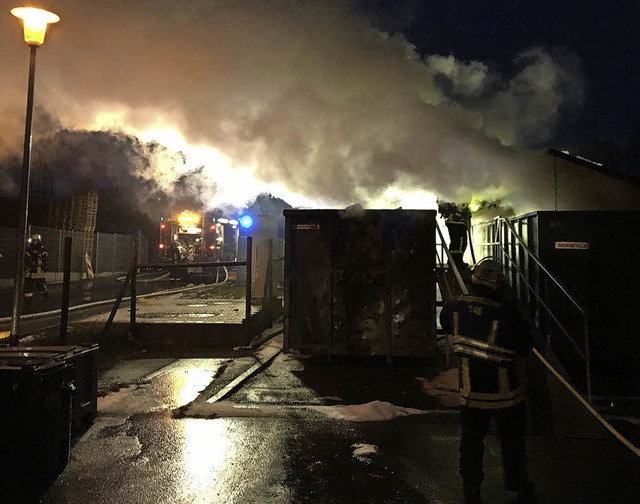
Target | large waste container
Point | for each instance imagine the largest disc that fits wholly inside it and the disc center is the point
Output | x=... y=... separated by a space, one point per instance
x=36 y=390
x=360 y=282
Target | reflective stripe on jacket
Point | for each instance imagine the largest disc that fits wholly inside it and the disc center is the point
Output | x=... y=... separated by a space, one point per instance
x=488 y=337
x=36 y=262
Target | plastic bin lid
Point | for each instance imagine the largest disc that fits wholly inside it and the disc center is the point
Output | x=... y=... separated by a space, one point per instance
x=67 y=350
x=22 y=359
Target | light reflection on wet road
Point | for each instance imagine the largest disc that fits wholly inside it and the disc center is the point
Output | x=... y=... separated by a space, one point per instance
x=140 y=450
x=184 y=381
x=137 y=451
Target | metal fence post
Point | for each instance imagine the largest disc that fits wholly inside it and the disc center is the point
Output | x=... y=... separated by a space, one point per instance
x=113 y=268
x=96 y=254
x=66 y=281
x=248 y=286
x=134 y=274
x=60 y=251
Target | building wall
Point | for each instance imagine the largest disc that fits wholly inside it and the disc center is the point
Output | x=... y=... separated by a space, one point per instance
x=582 y=188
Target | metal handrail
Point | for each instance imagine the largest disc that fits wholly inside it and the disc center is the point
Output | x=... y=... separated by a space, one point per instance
x=584 y=355
x=555 y=319
x=452 y=263
x=530 y=253
x=447 y=286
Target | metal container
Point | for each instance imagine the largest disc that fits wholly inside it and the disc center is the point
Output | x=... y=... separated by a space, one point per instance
x=360 y=282
x=594 y=254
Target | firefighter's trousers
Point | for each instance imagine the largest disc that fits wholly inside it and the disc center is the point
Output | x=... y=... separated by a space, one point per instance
x=511 y=424
x=39 y=284
x=458 y=241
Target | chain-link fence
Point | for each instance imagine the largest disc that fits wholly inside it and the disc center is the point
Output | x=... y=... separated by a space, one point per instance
x=112 y=252
x=91 y=253
x=98 y=263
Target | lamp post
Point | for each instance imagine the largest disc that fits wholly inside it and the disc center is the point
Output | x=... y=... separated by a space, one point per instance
x=35 y=23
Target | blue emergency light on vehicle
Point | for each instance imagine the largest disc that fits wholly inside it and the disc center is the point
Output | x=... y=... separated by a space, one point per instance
x=246 y=221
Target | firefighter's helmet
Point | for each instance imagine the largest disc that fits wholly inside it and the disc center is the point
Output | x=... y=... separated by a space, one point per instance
x=36 y=237
x=488 y=272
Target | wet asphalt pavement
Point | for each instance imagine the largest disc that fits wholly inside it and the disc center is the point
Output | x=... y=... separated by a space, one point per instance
x=145 y=447
x=187 y=430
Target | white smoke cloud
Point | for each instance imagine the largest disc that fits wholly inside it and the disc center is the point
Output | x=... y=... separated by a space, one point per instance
x=524 y=109
x=305 y=96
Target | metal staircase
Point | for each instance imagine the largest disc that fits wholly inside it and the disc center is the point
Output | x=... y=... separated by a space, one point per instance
x=561 y=323
x=558 y=374
x=451 y=284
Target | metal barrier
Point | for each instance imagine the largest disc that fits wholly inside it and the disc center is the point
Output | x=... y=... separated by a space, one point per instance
x=201 y=294
x=538 y=289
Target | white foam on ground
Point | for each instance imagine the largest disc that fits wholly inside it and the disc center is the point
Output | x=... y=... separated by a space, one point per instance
x=374 y=411
x=363 y=452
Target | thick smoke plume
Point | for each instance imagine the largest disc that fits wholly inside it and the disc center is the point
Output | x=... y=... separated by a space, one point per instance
x=307 y=96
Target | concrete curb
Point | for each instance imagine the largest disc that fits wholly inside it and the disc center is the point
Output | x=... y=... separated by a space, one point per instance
x=266 y=336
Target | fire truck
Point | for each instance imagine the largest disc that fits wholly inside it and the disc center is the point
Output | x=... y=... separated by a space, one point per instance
x=191 y=236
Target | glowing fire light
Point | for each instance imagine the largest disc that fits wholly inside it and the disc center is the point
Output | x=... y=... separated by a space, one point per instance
x=188 y=218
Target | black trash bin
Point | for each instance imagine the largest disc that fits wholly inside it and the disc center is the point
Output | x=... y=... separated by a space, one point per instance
x=36 y=396
x=84 y=359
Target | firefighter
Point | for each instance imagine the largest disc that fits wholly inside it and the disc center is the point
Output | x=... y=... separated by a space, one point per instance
x=490 y=336
x=173 y=253
x=36 y=264
x=457 y=219
x=174 y=256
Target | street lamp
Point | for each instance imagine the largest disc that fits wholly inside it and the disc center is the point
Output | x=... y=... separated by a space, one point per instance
x=35 y=23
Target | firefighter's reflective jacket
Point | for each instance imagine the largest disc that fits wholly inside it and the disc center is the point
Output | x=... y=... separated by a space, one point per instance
x=36 y=259
x=489 y=336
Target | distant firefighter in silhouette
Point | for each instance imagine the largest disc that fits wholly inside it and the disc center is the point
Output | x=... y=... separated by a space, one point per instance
x=36 y=264
x=457 y=219
x=173 y=253
x=174 y=257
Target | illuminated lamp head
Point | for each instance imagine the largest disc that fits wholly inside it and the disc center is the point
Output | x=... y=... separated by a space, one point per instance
x=161 y=246
x=246 y=221
x=35 y=23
